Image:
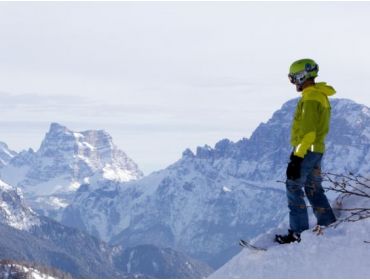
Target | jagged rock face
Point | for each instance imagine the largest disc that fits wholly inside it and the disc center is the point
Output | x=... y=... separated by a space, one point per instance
x=81 y=154
x=65 y=160
x=206 y=201
x=13 y=211
x=5 y=154
x=265 y=155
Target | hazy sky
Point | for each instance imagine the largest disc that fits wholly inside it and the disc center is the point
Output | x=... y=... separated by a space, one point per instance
x=164 y=76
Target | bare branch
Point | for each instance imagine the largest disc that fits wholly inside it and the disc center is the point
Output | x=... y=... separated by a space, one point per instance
x=347 y=186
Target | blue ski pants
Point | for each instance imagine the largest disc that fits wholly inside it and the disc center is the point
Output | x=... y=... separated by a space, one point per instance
x=309 y=183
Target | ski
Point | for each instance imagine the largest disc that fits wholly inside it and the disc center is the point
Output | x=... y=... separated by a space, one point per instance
x=246 y=244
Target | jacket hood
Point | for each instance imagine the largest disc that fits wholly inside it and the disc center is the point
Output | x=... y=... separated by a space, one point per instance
x=323 y=88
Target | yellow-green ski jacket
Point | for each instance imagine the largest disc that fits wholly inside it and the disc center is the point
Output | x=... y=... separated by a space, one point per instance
x=311 y=120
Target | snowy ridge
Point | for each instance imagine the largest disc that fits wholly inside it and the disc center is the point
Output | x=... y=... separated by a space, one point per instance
x=341 y=252
x=13 y=212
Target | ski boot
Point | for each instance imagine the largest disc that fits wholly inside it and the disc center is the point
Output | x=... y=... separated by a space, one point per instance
x=289 y=238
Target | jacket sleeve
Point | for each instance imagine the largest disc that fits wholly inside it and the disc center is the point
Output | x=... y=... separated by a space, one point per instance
x=309 y=121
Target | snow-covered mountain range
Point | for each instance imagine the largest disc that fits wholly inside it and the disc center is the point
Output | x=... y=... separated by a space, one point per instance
x=200 y=205
x=27 y=236
x=65 y=160
x=206 y=201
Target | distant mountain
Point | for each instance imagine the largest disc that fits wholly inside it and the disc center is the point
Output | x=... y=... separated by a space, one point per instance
x=205 y=202
x=65 y=160
x=26 y=236
x=5 y=154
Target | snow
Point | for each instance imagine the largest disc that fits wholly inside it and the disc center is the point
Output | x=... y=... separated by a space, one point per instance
x=341 y=252
x=4 y=186
x=12 y=210
x=78 y=135
x=91 y=147
x=10 y=271
x=73 y=186
x=87 y=145
x=7 y=152
x=115 y=173
x=57 y=202
x=131 y=257
x=366 y=111
x=65 y=160
x=83 y=158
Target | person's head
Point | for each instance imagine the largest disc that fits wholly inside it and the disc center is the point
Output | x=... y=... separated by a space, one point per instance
x=302 y=73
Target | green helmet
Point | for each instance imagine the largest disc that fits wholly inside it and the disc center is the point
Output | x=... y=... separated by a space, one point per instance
x=302 y=70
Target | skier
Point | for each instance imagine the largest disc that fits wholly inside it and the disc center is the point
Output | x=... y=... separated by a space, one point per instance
x=309 y=129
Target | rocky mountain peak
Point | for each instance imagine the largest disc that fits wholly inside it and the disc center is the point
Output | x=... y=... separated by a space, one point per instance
x=56 y=128
x=5 y=154
x=66 y=159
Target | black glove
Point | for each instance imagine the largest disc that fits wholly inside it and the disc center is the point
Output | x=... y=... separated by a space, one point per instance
x=293 y=171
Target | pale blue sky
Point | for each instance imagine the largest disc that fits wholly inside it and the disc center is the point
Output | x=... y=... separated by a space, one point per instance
x=164 y=76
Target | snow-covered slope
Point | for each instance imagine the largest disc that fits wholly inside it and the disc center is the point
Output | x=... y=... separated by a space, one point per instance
x=13 y=211
x=341 y=252
x=206 y=201
x=5 y=154
x=65 y=160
